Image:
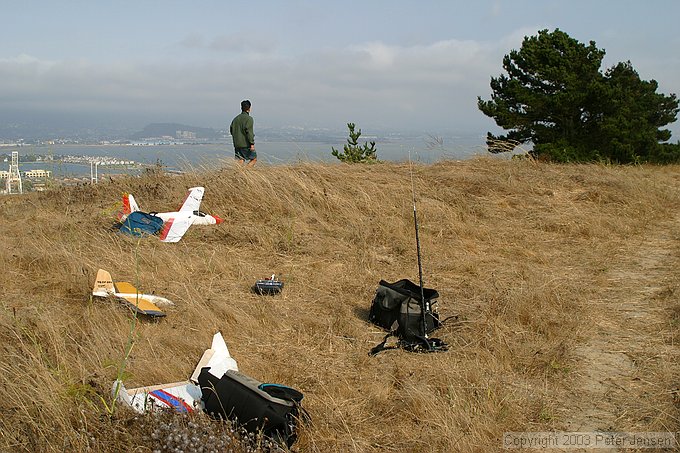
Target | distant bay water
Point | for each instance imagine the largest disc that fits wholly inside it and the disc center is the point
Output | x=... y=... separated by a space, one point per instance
x=183 y=157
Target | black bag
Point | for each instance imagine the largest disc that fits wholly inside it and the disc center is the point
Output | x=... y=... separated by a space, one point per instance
x=255 y=406
x=400 y=302
x=397 y=307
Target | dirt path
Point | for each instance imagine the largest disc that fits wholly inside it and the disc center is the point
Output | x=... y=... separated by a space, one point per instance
x=624 y=369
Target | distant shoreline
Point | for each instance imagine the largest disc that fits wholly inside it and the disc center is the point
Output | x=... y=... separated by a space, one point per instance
x=181 y=157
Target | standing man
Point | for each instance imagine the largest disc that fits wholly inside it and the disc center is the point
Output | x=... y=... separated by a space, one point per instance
x=241 y=130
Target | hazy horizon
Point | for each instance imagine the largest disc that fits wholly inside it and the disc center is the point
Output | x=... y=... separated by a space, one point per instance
x=398 y=65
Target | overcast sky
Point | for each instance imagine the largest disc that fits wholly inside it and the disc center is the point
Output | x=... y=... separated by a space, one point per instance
x=386 y=65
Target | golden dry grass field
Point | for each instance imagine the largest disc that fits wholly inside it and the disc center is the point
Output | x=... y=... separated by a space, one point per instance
x=563 y=277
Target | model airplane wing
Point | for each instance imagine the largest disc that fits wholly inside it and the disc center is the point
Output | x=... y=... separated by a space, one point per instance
x=184 y=396
x=181 y=396
x=175 y=227
x=145 y=304
x=137 y=301
x=193 y=200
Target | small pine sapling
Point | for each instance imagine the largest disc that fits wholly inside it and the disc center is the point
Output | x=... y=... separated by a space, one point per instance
x=353 y=152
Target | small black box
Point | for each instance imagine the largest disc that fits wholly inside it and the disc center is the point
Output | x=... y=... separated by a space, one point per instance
x=268 y=287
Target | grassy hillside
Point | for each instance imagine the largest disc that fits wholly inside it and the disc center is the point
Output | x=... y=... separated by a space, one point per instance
x=519 y=251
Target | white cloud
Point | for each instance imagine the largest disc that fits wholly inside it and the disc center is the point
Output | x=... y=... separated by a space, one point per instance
x=390 y=86
x=429 y=87
x=193 y=41
x=376 y=54
x=235 y=43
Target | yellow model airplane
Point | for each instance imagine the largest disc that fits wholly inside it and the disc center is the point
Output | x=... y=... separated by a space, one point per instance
x=145 y=304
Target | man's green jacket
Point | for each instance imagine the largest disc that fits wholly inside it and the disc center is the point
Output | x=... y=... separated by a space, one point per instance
x=241 y=130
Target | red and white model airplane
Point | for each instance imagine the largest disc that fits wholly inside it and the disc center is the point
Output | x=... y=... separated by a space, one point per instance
x=175 y=224
x=183 y=396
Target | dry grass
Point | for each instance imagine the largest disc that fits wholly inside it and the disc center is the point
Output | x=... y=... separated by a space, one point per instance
x=515 y=248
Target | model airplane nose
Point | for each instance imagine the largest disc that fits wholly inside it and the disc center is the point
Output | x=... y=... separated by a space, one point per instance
x=218 y=220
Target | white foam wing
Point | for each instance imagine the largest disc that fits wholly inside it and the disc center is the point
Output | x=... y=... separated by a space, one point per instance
x=175 y=227
x=182 y=396
x=193 y=201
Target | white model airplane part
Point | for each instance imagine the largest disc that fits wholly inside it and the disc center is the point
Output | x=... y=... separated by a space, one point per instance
x=178 y=222
x=146 y=304
x=129 y=205
x=217 y=358
x=181 y=396
x=184 y=396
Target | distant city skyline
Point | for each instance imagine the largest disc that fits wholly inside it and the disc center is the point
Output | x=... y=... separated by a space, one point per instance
x=386 y=65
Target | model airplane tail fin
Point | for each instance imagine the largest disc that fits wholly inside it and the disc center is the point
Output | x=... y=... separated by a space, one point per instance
x=103 y=284
x=217 y=358
x=129 y=206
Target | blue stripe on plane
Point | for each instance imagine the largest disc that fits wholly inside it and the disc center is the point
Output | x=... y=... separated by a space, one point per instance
x=172 y=401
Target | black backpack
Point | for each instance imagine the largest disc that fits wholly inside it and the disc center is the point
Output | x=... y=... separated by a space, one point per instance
x=272 y=408
x=396 y=307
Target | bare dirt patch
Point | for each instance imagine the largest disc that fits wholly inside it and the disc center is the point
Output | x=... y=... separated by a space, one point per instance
x=628 y=352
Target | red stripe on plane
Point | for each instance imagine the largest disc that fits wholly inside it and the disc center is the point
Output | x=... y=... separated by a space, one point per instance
x=185 y=200
x=126 y=207
x=166 y=229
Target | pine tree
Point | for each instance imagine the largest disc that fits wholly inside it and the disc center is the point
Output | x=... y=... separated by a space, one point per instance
x=352 y=152
x=555 y=96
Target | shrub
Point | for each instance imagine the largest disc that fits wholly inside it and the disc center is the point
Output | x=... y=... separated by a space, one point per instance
x=352 y=152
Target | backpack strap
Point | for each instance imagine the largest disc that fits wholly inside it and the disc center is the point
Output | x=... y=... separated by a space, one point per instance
x=381 y=346
x=454 y=317
x=422 y=344
x=303 y=415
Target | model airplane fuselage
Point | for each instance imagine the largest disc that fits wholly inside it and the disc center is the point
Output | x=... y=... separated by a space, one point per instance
x=184 y=396
x=176 y=223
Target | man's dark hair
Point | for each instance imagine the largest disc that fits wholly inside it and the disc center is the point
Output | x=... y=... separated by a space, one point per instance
x=245 y=105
